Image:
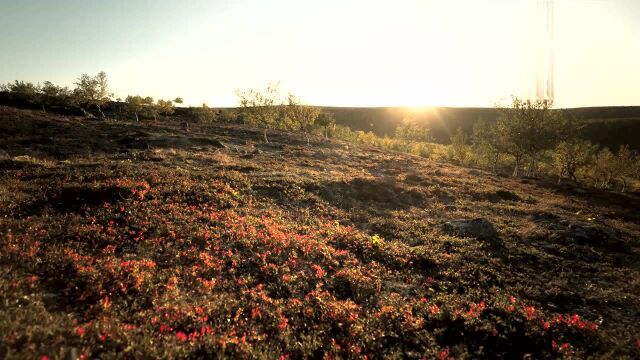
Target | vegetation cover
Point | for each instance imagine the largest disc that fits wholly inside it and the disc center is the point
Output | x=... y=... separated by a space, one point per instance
x=143 y=240
x=530 y=138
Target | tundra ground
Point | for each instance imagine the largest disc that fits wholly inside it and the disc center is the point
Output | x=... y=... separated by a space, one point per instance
x=141 y=240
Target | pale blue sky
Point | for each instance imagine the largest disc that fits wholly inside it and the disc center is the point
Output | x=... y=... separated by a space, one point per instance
x=331 y=52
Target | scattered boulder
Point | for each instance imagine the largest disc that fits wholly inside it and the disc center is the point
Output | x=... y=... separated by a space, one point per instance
x=385 y=192
x=218 y=144
x=508 y=195
x=475 y=172
x=215 y=143
x=23 y=158
x=479 y=228
x=445 y=197
x=413 y=178
x=595 y=235
x=544 y=217
x=496 y=196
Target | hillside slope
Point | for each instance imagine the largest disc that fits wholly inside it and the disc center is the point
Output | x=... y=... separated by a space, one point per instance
x=610 y=127
x=142 y=240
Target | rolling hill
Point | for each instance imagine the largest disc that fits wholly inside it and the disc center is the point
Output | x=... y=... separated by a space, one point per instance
x=607 y=126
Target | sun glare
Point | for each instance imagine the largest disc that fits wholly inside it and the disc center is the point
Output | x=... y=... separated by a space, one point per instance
x=418 y=109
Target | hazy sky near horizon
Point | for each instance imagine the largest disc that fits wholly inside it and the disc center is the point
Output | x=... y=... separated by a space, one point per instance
x=330 y=52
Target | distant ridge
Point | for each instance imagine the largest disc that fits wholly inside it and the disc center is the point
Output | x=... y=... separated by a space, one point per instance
x=609 y=126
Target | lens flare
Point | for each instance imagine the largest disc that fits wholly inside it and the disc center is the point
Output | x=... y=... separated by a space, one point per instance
x=545 y=69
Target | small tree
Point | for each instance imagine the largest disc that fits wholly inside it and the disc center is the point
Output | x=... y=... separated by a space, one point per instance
x=55 y=95
x=227 y=115
x=301 y=117
x=325 y=121
x=261 y=107
x=366 y=138
x=571 y=156
x=487 y=143
x=459 y=147
x=150 y=107
x=204 y=113
x=178 y=100
x=411 y=130
x=635 y=168
x=50 y=89
x=24 y=91
x=165 y=108
x=93 y=90
x=135 y=105
x=505 y=134
x=624 y=165
x=528 y=128
x=604 y=167
x=345 y=133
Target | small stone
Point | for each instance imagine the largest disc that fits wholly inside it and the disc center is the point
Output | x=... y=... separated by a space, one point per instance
x=217 y=143
x=479 y=228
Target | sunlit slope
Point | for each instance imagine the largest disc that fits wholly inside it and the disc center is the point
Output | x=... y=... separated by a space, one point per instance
x=142 y=240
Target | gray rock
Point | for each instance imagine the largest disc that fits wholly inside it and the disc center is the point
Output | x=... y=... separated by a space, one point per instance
x=474 y=172
x=479 y=228
x=217 y=143
x=24 y=158
x=595 y=235
x=4 y=155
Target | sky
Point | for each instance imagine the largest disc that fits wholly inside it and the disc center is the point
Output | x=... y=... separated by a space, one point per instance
x=328 y=52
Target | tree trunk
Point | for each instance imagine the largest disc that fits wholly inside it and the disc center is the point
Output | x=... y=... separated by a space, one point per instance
x=531 y=172
x=86 y=113
x=515 y=169
x=266 y=139
x=100 y=111
x=572 y=174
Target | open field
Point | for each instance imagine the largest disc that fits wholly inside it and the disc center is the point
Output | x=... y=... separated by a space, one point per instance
x=142 y=240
